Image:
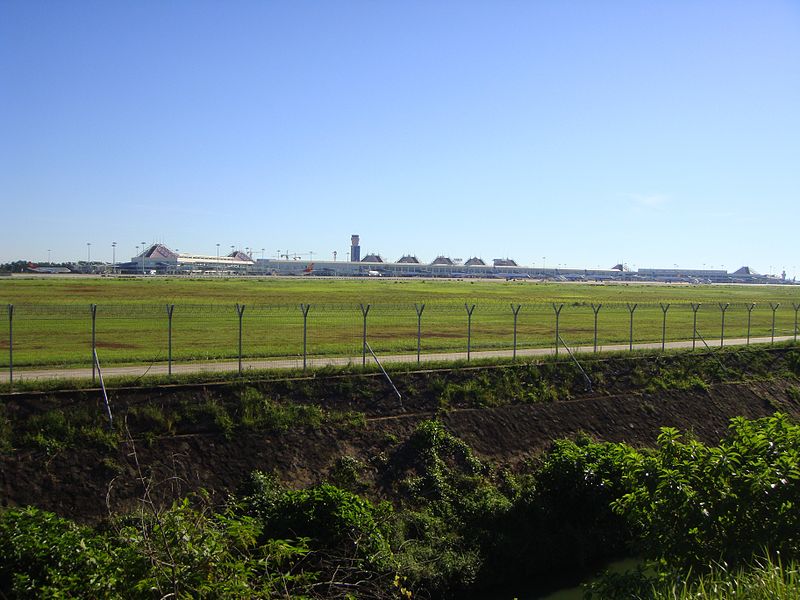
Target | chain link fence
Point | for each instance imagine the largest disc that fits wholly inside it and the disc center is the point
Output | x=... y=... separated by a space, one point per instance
x=50 y=337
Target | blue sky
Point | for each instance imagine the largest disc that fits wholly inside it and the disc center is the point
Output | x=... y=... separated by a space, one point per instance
x=589 y=133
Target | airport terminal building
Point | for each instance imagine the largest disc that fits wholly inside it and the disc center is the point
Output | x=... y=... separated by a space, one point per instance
x=159 y=259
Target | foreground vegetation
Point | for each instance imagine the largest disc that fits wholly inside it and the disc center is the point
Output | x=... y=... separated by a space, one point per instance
x=454 y=525
x=52 y=322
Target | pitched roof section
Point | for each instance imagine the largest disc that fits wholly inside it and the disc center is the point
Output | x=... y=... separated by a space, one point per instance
x=442 y=260
x=745 y=271
x=474 y=262
x=408 y=259
x=158 y=251
x=505 y=262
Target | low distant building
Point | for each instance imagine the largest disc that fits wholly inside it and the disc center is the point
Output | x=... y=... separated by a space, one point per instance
x=158 y=258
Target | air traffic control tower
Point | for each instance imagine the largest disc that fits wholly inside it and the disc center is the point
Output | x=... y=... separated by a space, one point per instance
x=355 y=249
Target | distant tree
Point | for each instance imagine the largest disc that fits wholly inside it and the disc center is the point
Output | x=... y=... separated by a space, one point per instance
x=18 y=266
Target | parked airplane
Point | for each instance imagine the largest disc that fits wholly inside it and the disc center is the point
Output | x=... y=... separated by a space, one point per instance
x=50 y=270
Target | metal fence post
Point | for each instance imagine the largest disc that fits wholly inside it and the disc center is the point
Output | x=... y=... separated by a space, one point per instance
x=774 y=308
x=304 y=308
x=796 y=307
x=515 y=310
x=170 y=310
x=723 y=308
x=93 y=308
x=419 y=308
x=664 y=309
x=364 y=313
x=749 y=317
x=695 y=308
x=557 y=310
x=469 y=310
x=11 y=346
x=595 y=309
x=632 y=309
x=240 y=312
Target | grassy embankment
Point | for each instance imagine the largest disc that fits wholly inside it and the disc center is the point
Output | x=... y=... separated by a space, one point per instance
x=456 y=523
x=52 y=321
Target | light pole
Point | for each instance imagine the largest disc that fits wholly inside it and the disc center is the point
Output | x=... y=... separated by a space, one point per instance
x=143 y=249
x=113 y=256
x=89 y=254
x=48 y=256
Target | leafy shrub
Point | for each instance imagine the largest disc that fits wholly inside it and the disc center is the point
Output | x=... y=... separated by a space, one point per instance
x=434 y=555
x=695 y=505
x=192 y=552
x=331 y=518
x=439 y=461
x=47 y=556
x=348 y=473
x=562 y=517
x=187 y=551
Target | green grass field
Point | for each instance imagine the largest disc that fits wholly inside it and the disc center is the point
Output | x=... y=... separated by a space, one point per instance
x=52 y=319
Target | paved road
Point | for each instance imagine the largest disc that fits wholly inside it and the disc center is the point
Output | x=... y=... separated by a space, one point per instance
x=295 y=363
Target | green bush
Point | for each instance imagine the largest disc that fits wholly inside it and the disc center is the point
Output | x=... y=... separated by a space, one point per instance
x=695 y=505
x=329 y=517
x=561 y=519
x=46 y=556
